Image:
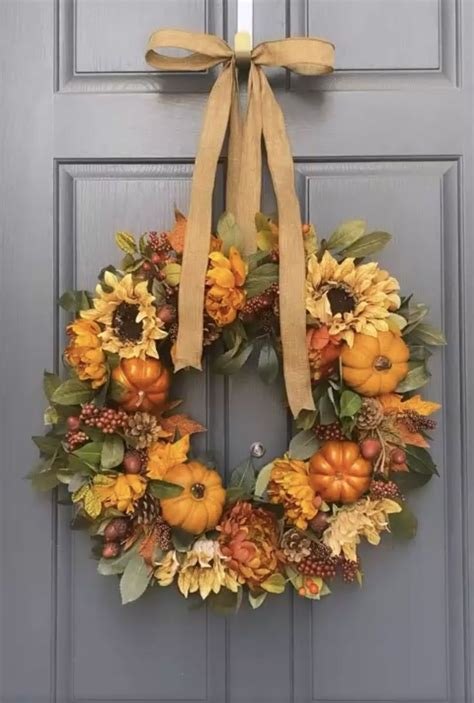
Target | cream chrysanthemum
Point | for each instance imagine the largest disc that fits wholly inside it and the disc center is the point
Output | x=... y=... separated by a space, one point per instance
x=128 y=316
x=366 y=518
x=349 y=298
x=204 y=569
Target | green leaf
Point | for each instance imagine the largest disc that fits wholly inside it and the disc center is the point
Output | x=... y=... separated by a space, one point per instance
x=257 y=599
x=417 y=377
x=327 y=414
x=126 y=242
x=419 y=460
x=228 y=231
x=403 y=524
x=72 y=392
x=158 y=292
x=111 y=567
x=47 y=445
x=255 y=259
x=90 y=453
x=303 y=445
x=274 y=584
x=143 y=244
x=243 y=477
x=44 y=480
x=414 y=314
x=230 y=362
x=172 y=274
x=261 y=278
x=51 y=416
x=268 y=364
x=112 y=452
x=368 y=244
x=408 y=480
x=306 y=419
x=50 y=383
x=164 y=489
x=116 y=391
x=346 y=234
x=181 y=539
x=350 y=403
x=263 y=479
x=79 y=466
x=419 y=352
x=429 y=335
x=75 y=300
x=135 y=579
x=225 y=602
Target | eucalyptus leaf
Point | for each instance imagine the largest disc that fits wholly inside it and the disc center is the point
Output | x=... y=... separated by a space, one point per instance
x=72 y=392
x=427 y=334
x=268 y=364
x=306 y=419
x=255 y=259
x=126 y=242
x=90 y=453
x=417 y=377
x=135 y=579
x=368 y=244
x=164 y=489
x=327 y=414
x=350 y=403
x=346 y=234
x=243 y=476
x=260 y=279
x=230 y=362
x=47 y=445
x=158 y=292
x=228 y=231
x=50 y=382
x=256 y=600
x=303 y=445
x=263 y=479
x=112 y=452
x=75 y=300
x=404 y=524
x=44 y=480
x=112 y=567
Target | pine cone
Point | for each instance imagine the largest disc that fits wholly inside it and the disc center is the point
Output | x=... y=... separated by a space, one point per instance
x=370 y=415
x=147 y=510
x=144 y=427
x=210 y=331
x=295 y=546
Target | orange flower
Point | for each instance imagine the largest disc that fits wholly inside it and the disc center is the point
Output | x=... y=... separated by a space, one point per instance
x=323 y=352
x=84 y=352
x=290 y=486
x=225 y=279
x=249 y=539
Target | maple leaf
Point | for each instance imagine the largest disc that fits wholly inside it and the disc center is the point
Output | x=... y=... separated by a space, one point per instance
x=408 y=437
x=163 y=455
x=183 y=424
x=177 y=234
x=394 y=403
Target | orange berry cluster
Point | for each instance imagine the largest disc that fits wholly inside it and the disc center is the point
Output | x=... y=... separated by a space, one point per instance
x=310 y=588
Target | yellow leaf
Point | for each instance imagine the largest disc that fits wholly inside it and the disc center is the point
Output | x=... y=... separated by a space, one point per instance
x=393 y=403
x=92 y=504
x=163 y=455
x=80 y=493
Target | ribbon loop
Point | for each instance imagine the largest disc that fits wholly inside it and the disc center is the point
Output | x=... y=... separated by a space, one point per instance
x=264 y=117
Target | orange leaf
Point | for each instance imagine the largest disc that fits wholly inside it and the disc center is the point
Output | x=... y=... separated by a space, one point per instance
x=393 y=403
x=181 y=423
x=408 y=437
x=177 y=234
x=148 y=545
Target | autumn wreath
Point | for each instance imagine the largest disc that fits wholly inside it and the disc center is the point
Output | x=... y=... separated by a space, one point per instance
x=119 y=449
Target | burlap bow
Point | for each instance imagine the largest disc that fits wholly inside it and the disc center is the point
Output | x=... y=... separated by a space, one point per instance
x=264 y=117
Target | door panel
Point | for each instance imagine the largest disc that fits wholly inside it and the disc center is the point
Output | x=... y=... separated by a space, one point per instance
x=93 y=141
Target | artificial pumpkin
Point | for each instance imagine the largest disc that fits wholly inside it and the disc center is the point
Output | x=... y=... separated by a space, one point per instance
x=146 y=383
x=199 y=507
x=339 y=473
x=375 y=365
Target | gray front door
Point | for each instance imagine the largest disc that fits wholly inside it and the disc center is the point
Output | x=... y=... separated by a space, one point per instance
x=90 y=142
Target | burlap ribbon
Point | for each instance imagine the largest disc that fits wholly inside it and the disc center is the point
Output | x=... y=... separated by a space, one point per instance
x=306 y=56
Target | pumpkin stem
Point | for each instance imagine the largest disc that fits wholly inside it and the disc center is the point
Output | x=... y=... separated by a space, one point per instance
x=382 y=363
x=198 y=490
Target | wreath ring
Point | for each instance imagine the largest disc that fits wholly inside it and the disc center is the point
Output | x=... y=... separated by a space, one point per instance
x=120 y=450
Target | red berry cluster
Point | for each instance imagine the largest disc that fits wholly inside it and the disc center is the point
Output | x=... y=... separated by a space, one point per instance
x=319 y=562
x=74 y=439
x=329 y=432
x=416 y=422
x=159 y=243
x=349 y=569
x=258 y=303
x=384 y=489
x=105 y=419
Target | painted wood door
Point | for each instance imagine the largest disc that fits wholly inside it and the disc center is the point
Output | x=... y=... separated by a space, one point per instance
x=92 y=141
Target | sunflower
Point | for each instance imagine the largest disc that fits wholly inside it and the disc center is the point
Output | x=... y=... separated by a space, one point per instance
x=126 y=312
x=350 y=298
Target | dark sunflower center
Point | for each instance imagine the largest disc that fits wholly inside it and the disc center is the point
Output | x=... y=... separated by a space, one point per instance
x=124 y=322
x=340 y=300
x=198 y=490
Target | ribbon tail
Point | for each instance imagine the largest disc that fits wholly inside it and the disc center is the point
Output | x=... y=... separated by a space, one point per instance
x=234 y=150
x=292 y=256
x=198 y=229
x=250 y=183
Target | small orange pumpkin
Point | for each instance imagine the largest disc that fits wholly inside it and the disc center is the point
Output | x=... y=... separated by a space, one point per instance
x=375 y=365
x=146 y=383
x=339 y=473
x=199 y=507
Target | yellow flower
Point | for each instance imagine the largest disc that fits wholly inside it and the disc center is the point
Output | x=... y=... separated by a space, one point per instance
x=167 y=569
x=349 y=298
x=127 y=313
x=225 y=279
x=163 y=455
x=84 y=352
x=366 y=518
x=120 y=492
x=290 y=486
x=204 y=569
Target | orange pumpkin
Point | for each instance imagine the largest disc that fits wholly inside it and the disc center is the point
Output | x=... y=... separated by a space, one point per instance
x=375 y=365
x=146 y=383
x=339 y=473
x=199 y=507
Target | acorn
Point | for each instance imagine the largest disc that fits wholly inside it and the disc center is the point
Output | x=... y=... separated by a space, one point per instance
x=398 y=456
x=73 y=422
x=370 y=448
x=110 y=550
x=319 y=523
x=116 y=530
x=167 y=314
x=132 y=462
